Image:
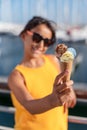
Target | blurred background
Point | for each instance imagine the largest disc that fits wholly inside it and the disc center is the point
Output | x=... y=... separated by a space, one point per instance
x=71 y=19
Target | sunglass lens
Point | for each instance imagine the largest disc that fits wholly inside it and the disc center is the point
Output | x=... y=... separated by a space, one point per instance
x=47 y=42
x=36 y=37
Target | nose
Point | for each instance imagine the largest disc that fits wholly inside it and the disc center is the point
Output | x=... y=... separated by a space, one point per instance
x=41 y=44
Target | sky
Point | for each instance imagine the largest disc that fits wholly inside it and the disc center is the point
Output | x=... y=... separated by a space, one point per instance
x=61 y=11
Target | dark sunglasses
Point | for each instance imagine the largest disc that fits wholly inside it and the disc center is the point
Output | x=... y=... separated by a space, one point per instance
x=38 y=38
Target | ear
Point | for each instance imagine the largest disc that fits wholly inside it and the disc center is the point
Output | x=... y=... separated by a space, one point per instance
x=23 y=36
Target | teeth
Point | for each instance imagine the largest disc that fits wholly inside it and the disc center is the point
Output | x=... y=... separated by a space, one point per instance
x=34 y=48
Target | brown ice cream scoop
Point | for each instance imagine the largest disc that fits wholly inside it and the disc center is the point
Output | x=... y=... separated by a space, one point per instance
x=60 y=49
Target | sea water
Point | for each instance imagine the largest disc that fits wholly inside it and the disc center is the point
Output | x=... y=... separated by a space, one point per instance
x=11 y=52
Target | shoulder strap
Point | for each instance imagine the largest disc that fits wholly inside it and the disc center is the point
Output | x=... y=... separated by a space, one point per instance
x=54 y=61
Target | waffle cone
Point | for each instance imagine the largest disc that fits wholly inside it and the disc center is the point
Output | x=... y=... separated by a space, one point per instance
x=68 y=67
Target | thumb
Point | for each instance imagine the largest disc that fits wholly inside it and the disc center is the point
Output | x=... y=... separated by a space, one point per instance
x=61 y=76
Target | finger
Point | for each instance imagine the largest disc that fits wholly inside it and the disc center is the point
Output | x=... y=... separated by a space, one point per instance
x=73 y=103
x=60 y=87
x=69 y=83
x=64 y=92
x=65 y=107
x=61 y=76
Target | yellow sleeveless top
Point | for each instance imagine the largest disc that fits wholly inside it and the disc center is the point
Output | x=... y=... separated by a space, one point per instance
x=39 y=82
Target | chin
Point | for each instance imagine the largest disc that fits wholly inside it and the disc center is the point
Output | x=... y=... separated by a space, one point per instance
x=36 y=55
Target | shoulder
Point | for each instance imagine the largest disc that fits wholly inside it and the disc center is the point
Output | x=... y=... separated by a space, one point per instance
x=15 y=74
x=53 y=58
x=15 y=78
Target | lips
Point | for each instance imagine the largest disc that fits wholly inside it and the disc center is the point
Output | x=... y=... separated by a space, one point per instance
x=36 y=50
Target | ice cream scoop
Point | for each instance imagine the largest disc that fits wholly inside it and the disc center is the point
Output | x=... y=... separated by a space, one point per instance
x=72 y=50
x=68 y=55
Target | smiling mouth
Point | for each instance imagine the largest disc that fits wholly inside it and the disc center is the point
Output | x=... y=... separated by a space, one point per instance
x=36 y=50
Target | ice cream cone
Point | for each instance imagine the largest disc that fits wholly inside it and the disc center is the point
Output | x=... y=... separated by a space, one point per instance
x=66 y=57
x=67 y=66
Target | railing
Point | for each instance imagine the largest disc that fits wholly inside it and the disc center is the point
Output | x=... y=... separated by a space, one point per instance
x=5 y=128
x=72 y=119
x=11 y=110
x=77 y=119
x=80 y=88
x=7 y=109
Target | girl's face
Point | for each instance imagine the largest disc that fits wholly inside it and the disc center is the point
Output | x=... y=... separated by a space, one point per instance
x=36 y=41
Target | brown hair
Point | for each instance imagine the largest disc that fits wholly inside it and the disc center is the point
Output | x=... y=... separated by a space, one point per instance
x=37 y=20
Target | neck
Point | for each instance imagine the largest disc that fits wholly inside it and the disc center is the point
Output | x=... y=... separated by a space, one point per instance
x=33 y=62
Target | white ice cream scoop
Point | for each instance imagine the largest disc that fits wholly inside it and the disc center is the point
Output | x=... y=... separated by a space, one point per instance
x=69 y=55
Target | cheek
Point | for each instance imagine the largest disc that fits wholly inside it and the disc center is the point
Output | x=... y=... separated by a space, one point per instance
x=45 y=49
x=28 y=42
x=28 y=45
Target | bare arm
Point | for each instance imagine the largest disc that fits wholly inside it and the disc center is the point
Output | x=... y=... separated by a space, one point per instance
x=59 y=95
x=18 y=87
